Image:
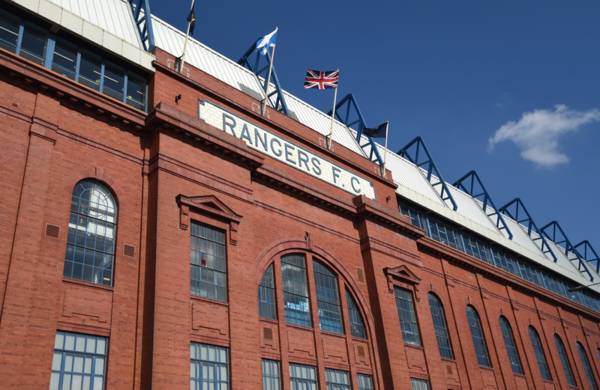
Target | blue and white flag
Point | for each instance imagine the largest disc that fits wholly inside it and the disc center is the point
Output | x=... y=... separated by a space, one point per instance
x=263 y=44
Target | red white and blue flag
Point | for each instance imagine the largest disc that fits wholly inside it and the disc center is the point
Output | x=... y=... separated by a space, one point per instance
x=322 y=79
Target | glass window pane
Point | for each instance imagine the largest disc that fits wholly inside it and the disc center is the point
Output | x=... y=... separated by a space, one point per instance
x=357 y=325
x=419 y=384
x=66 y=382
x=79 y=344
x=511 y=347
x=562 y=353
x=303 y=377
x=365 y=382
x=64 y=60
x=90 y=345
x=56 y=361
x=481 y=349
x=90 y=71
x=9 y=32
x=337 y=379
x=587 y=367
x=440 y=326
x=69 y=342
x=408 y=317
x=114 y=82
x=328 y=299
x=33 y=46
x=266 y=295
x=54 y=381
x=98 y=383
x=136 y=92
x=295 y=290
x=536 y=342
x=271 y=375
x=59 y=340
x=76 y=382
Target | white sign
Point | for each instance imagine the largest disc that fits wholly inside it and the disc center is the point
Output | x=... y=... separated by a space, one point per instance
x=284 y=151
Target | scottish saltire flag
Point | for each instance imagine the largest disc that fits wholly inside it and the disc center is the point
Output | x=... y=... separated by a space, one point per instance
x=376 y=132
x=321 y=79
x=263 y=44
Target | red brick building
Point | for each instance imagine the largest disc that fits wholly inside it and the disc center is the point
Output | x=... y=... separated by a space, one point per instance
x=160 y=232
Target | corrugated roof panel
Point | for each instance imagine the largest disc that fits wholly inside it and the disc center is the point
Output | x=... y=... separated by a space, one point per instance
x=202 y=57
x=113 y=16
x=521 y=237
x=471 y=208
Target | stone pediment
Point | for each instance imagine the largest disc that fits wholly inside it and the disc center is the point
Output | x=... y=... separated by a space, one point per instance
x=209 y=205
x=400 y=274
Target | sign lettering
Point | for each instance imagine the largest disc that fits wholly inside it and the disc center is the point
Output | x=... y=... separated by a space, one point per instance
x=284 y=151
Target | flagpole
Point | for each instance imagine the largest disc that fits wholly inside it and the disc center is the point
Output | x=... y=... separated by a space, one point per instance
x=264 y=103
x=187 y=38
x=330 y=135
x=387 y=127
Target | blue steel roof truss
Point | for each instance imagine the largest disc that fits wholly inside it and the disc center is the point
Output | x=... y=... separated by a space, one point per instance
x=259 y=65
x=555 y=233
x=585 y=249
x=348 y=112
x=472 y=185
x=517 y=211
x=143 y=22
x=416 y=152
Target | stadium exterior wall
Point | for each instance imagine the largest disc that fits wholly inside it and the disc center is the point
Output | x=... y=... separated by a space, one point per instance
x=168 y=169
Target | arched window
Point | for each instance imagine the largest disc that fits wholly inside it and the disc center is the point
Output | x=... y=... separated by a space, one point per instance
x=295 y=290
x=92 y=229
x=266 y=295
x=440 y=326
x=303 y=289
x=589 y=373
x=540 y=357
x=357 y=325
x=481 y=349
x=511 y=346
x=562 y=353
x=328 y=299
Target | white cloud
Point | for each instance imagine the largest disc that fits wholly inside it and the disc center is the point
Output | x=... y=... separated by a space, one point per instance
x=538 y=132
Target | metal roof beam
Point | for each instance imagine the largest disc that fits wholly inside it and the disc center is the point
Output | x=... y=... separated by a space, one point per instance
x=472 y=185
x=348 y=113
x=143 y=22
x=517 y=211
x=416 y=152
x=588 y=253
x=555 y=233
x=259 y=65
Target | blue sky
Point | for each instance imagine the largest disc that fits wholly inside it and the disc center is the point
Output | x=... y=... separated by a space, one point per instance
x=454 y=73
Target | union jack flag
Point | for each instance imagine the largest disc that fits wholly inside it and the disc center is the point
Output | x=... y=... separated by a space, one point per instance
x=321 y=79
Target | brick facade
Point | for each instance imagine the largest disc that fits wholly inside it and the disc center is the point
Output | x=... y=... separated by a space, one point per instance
x=168 y=168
